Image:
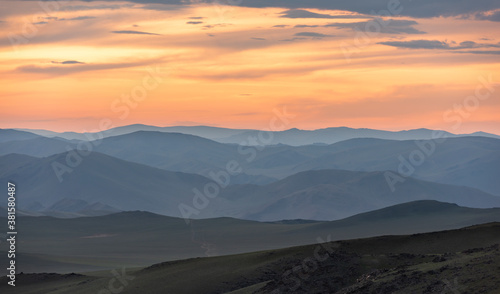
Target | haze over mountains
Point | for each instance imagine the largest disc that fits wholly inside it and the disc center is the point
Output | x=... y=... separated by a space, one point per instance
x=123 y=185
x=470 y=161
x=292 y=137
x=140 y=195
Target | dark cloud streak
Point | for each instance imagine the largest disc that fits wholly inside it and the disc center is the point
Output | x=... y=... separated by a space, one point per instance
x=134 y=33
x=419 y=9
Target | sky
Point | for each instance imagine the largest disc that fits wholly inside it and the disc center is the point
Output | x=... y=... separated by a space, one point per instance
x=391 y=65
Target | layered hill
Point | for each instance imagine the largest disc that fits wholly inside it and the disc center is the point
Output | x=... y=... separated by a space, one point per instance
x=123 y=185
x=98 y=178
x=141 y=238
x=469 y=161
x=440 y=262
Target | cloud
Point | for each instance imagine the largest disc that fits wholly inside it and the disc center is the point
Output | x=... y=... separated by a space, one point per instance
x=40 y=23
x=134 y=33
x=293 y=39
x=300 y=13
x=77 y=18
x=389 y=26
x=435 y=44
x=480 y=52
x=258 y=39
x=194 y=22
x=216 y=25
x=68 y=62
x=420 y=9
x=312 y=34
x=418 y=44
x=167 y=5
x=306 y=26
x=280 y=26
x=95 y=7
x=82 y=67
x=196 y=17
x=491 y=16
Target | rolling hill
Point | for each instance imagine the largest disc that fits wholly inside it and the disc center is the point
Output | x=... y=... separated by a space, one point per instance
x=457 y=260
x=335 y=194
x=292 y=137
x=100 y=178
x=7 y=135
x=123 y=185
x=141 y=238
x=296 y=137
x=468 y=161
x=200 y=131
x=38 y=147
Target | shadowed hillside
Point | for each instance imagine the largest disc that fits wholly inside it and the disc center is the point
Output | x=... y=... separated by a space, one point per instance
x=141 y=238
x=465 y=259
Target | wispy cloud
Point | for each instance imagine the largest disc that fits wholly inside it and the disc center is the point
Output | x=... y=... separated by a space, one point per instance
x=420 y=9
x=80 y=67
x=301 y=13
x=312 y=35
x=77 y=18
x=93 y=7
x=491 y=16
x=390 y=26
x=134 y=33
x=435 y=44
x=68 y=62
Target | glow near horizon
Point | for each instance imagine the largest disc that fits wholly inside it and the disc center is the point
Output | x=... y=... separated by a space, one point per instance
x=231 y=78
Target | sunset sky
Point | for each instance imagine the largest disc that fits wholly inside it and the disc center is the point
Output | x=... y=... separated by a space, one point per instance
x=66 y=65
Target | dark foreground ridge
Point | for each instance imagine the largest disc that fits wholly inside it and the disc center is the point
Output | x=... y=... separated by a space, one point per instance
x=456 y=261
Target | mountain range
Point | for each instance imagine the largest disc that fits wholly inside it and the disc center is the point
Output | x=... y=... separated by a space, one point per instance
x=468 y=161
x=121 y=186
x=292 y=137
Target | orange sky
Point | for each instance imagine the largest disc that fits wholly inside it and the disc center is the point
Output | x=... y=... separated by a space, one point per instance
x=230 y=66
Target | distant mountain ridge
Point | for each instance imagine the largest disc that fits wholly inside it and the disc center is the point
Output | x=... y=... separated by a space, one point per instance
x=469 y=161
x=292 y=137
x=123 y=185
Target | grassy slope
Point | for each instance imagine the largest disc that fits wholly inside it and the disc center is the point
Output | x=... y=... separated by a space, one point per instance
x=138 y=239
x=390 y=264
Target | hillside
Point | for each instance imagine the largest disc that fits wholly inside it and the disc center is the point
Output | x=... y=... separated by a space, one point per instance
x=335 y=194
x=470 y=161
x=38 y=147
x=141 y=238
x=123 y=186
x=7 y=135
x=100 y=178
x=465 y=259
